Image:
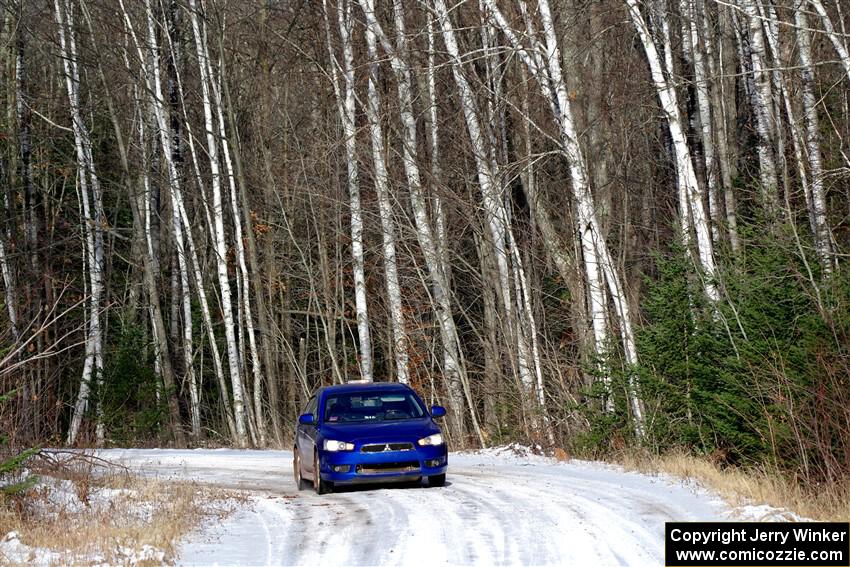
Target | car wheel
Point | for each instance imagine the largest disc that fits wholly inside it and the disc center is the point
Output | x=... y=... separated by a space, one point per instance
x=296 y=470
x=437 y=480
x=320 y=486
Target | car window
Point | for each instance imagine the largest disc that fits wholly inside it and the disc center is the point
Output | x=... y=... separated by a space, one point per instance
x=311 y=406
x=371 y=407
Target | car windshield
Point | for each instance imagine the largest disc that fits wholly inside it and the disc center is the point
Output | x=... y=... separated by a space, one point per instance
x=371 y=407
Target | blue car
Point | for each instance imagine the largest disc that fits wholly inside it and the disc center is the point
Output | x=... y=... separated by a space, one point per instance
x=368 y=432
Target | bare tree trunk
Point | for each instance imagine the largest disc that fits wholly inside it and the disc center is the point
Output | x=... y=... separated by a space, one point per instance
x=719 y=114
x=436 y=168
x=516 y=318
x=834 y=37
x=690 y=197
x=494 y=210
x=8 y=285
x=162 y=352
x=184 y=290
x=435 y=249
x=599 y=266
x=150 y=64
x=346 y=108
x=435 y=260
x=10 y=288
x=703 y=86
x=93 y=219
x=762 y=101
x=385 y=209
x=239 y=410
x=244 y=295
x=227 y=407
x=823 y=234
x=254 y=265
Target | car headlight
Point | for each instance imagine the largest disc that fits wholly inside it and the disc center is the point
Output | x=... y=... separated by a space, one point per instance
x=433 y=440
x=334 y=446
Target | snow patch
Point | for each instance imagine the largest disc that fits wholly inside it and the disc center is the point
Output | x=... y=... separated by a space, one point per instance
x=147 y=553
x=14 y=550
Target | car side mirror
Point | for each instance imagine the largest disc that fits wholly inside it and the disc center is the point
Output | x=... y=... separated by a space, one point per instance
x=306 y=419
x=438 y=411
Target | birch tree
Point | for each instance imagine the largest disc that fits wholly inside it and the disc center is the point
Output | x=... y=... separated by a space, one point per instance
x=496 y=215
x=543 y=61
x=822 y=232
x=834 y=36
x=429 y=242
x=239 y=411
x=762 y=100
x=149 y=62
x=93 y=220
x=345 y=98
x=691 y=208
x=243 y=277
x=8 y=282
x=702 y=86
x=385 y=209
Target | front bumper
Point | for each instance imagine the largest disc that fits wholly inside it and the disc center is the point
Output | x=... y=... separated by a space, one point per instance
x=350 y=467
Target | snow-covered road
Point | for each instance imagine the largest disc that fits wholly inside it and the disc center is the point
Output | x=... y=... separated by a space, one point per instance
x=496 y=509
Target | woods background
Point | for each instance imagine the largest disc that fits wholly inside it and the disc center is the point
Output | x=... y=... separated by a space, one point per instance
x=591 y=225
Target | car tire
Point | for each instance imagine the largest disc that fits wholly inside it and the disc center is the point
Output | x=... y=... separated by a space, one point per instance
x=296 y=470
x=437 y=479
x=319 y=485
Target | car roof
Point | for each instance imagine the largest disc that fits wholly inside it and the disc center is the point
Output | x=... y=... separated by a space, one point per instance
x=366 y=386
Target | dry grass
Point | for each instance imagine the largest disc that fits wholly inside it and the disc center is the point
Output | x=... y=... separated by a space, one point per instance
x=106 y=518
x=739 y=486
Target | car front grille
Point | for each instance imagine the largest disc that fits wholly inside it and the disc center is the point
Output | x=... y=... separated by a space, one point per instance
x=386 y=447
x=381 y=468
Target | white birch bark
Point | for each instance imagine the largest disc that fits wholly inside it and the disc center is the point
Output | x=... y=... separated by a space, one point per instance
x=690 y=197
x=188 y=339
x=162 y=357
x=703 y=86
x=762 y=100
x=25 y=151
x=823 y=234
x=9 y=290
x=346 y=109
x=493 y=206
x=195 y=265
x=490 y=193
x=244 y=277
x=528 y=327
x=578 y=171
x=92 y=208
x=771 y=32
x=516 y=318
x=385 y=210
x=598 y=264
x=185 y=290
x=491 y=197
x=9 y=287
x=239 y=411
x=834 y=37
x=434 y=144
x=150 y=64
x=431 y=241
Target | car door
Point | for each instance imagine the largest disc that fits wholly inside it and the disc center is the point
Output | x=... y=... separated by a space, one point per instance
x=306 y=435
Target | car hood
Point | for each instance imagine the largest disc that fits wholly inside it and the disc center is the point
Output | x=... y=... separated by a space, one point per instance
x=382 y=431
